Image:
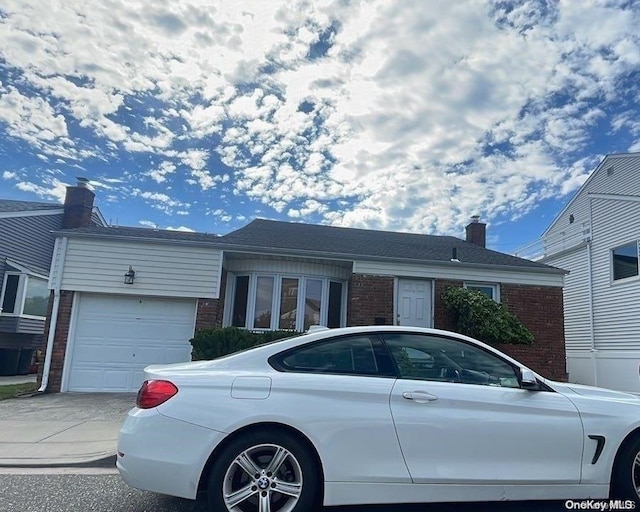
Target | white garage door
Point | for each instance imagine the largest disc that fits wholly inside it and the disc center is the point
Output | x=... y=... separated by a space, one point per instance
x=115 y=337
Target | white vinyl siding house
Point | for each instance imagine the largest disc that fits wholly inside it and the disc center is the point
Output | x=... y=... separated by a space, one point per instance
x=595 y=238
x=116 y=329
x=161 y=269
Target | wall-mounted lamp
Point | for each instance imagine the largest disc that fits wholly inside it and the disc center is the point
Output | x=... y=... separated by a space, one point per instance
x=129 y=276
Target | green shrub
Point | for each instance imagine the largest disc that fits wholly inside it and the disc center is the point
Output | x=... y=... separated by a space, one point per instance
x=213 y=343
x=479 y=316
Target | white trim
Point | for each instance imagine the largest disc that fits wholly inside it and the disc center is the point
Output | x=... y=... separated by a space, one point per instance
x=25 y=270
x=60 y=250
x=227 y=316
x=97 y=211
x=614 y=197
x=31 y=213
x=601 y=165
x=612 y=280
x=485 y=284
x=459 y=273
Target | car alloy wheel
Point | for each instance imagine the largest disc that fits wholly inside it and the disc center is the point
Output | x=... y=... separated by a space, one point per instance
x=625 y=483
x=269 y=473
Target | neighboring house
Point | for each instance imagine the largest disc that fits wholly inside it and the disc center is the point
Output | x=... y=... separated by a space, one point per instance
x=596 y=238
x=128 y=297
x=26 y=247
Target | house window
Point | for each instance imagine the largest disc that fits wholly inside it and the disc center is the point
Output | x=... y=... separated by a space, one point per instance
x=288 y=303
x=24 y=295
x=36 y=297
x=625 y=261
x=241 y=297
x=334 y=312
x=10 y=293
x=264 y=303
x=312 y=303
x=492 y=290
x=285 y=302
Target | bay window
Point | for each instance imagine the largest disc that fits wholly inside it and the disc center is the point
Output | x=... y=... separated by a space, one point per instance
x=24 y=295
x=284 y=302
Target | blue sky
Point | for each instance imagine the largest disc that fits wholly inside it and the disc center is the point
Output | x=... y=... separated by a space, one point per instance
x=404 y=116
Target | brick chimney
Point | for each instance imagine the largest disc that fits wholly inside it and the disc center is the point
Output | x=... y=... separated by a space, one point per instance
x=78 y=205
x=477 y=232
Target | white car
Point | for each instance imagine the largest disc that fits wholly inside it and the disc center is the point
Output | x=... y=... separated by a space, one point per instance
x=375 y=414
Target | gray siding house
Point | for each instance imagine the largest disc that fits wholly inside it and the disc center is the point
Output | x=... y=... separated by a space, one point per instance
x=26 y=247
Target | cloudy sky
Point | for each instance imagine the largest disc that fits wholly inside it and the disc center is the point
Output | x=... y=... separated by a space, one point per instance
x=397 y=115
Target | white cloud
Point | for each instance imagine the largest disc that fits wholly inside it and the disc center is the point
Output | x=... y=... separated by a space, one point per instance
x=413 y=118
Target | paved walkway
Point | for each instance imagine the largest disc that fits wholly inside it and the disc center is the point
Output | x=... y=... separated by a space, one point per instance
x=62 y=429
x=17 y=379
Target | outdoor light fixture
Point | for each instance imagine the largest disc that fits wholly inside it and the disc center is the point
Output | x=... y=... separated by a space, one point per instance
x=129 y=276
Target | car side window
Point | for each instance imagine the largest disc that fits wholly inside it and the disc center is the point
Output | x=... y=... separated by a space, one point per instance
x=430 y=357
x=353 y=355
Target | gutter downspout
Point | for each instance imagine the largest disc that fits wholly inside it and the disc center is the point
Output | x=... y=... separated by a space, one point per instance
x=60 y=250
x=592 y=334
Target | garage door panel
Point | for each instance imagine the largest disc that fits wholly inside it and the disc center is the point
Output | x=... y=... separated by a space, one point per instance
x=116 y=327
x=115 y=338
x=103 y=354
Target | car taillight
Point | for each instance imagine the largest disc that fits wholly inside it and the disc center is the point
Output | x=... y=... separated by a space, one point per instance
x=155 y=392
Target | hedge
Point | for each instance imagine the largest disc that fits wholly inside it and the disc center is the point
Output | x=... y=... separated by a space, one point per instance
x=213 y=343
x=479 y=316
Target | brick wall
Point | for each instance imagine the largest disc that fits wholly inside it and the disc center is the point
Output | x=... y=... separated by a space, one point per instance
x=78 y=207
x=370 y=300
x=59 y=342
x=210 y=311
x=540 y=309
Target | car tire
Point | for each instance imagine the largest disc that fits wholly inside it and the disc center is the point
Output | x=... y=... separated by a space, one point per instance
x=626 y=473
x=260 y=466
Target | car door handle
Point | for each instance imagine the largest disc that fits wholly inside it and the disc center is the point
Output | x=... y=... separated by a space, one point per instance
x=421 y=397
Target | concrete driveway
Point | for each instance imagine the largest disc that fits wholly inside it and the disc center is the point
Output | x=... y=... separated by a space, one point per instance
x=62 y=429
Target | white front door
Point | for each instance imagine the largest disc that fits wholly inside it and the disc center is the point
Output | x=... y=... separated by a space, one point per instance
x=414 y=303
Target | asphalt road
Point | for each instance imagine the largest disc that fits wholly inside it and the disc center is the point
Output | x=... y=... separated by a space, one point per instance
x=57 y=491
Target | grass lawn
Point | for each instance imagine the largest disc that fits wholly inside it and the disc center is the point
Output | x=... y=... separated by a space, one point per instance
x=12 y=390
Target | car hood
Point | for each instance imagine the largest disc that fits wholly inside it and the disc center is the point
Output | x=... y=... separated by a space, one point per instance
x=593 y=392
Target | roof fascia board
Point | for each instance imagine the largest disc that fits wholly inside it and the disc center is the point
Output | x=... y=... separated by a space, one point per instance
x=356 y=257
x=126 y=238
x=30 y=213
x=615 y=197
x=25 y=270
x=97 y=211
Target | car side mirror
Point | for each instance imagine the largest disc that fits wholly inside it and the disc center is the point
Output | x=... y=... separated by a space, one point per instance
x=528 y=380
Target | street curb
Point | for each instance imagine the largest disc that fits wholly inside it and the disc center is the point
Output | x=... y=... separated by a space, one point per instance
x=104 y=462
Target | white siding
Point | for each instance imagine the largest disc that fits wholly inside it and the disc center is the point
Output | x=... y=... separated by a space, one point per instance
x=162 y=269
x=624 y=180
x=616 y=304
x=576 y=298
x=460 y=273
x=289 y=266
